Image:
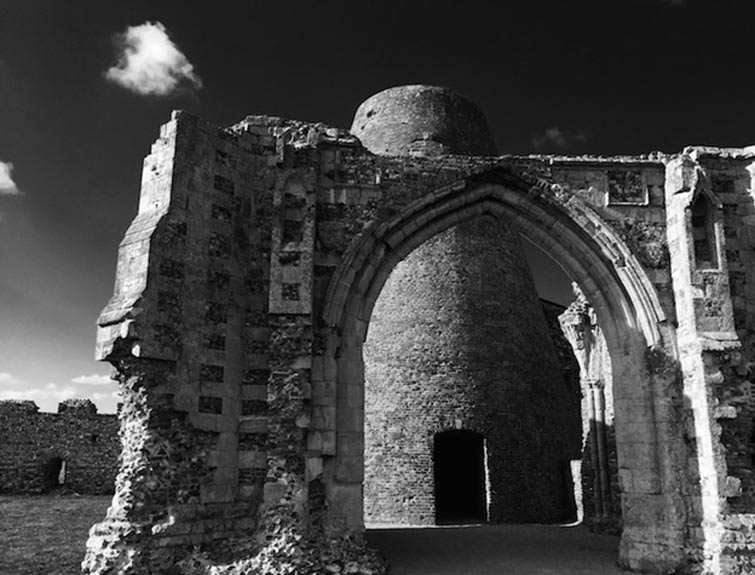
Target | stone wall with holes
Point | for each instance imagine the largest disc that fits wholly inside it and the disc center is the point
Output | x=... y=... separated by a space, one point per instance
x=243 y=410
x=188 y=330
x=713 y=233
x=34 y=444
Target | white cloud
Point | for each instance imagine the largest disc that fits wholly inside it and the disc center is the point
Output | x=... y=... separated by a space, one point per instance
x=7 y=185
x=149 y=63
x=93 y=379
x=555 y=136
x=48 y=396
x=8 y=379
x=52 y=391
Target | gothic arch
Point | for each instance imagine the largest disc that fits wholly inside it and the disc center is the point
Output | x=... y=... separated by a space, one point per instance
x=627 y=306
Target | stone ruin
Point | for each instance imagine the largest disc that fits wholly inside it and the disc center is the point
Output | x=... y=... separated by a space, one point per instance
x=294 y=301
x=74 y=450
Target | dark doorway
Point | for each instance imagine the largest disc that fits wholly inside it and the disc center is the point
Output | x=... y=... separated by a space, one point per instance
x=459 y=459
x=51 y=474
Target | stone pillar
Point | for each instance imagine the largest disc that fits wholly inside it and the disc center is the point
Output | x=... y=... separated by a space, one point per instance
x=706 y=327
x=599 y=466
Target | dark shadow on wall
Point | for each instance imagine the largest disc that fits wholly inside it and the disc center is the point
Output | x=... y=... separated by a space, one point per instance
x=597 y=490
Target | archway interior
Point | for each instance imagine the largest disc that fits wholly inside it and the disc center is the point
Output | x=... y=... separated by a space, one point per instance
x=417 y=388
x=459 y=473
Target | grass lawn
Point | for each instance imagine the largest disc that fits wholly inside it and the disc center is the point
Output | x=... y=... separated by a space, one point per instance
x=46 y=534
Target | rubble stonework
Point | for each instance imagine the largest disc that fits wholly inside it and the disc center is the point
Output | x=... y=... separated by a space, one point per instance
x=36 y=447
x=244 y=291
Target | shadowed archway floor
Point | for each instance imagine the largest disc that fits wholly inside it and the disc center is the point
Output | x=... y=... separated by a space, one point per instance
x=497 y=550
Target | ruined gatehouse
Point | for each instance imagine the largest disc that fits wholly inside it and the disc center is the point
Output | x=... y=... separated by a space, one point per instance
x=292 y=301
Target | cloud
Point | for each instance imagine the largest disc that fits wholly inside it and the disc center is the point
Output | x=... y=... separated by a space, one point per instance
x=94 y=379
x=49 y=395
x=150 y=64
x=52 y=391
x=8 y=379
x=556 y=137
x=7 y=185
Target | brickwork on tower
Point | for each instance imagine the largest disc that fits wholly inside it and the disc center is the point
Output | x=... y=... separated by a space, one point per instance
x=458 y=340
x=245 y=287
x=36 y=446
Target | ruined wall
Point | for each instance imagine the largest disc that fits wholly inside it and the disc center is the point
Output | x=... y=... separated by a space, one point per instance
x=193 y=363
x=245 y=287
x=33 y=442
x=710 y=191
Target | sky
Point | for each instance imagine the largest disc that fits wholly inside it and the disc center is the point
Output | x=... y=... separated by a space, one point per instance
x=85 y=85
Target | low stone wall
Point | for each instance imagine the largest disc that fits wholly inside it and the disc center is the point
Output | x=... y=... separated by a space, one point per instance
x=36 y=446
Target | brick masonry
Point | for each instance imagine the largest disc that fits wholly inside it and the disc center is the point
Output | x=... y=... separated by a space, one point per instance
x=459 y=340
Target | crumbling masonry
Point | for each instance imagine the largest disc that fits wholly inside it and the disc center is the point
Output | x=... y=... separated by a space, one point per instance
x=245 y=290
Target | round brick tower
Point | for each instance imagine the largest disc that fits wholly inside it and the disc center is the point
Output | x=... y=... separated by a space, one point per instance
x=467 y=415
x=422 y=120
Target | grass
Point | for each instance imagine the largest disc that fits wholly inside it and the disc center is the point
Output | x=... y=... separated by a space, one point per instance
x=46 y=534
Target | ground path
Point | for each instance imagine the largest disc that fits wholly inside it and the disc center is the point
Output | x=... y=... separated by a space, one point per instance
x=497 y=550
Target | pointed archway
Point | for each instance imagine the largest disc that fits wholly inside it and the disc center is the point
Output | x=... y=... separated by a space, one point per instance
x=625 y=302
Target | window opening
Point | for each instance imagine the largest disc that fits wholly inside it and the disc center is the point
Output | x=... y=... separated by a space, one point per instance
x=703 y=233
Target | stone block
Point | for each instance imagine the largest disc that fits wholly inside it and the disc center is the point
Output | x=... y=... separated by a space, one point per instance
x=313 y=467
x=258 y=392
x=274 y=493
x=349 y=469
x=226 y=475
x=324 y=393
x=227 y=441
x=344 y=506
x=217 y=493
x=323 y=418
x=252 y=459
x=355 y=395
x=314 y=441
x=350 y=419
x=222 y=458
x=328 y=442
x=350 y=444
x=253 y=424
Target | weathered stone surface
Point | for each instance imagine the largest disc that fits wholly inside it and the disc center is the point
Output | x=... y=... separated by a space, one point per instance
x=261 y=250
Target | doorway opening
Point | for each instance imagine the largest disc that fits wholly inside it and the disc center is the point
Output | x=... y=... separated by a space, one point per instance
x=459 y=472
x=53 y=474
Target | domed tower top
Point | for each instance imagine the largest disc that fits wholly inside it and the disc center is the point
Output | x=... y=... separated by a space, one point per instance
x=422 y=121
